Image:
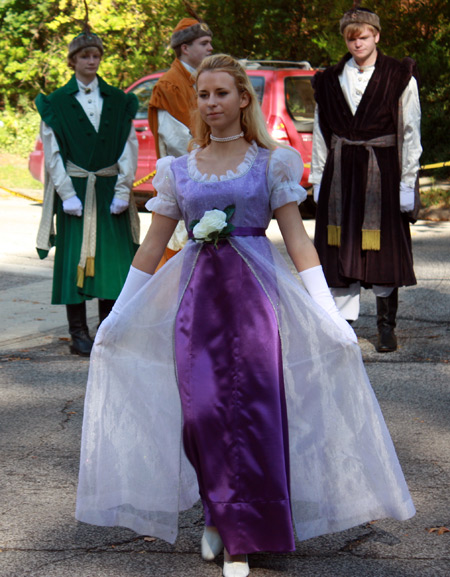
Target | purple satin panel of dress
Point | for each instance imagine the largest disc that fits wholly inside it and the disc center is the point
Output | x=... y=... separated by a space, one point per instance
x=231 y=387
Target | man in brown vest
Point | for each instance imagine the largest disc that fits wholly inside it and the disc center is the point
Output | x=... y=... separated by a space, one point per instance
x=365 y=165
x=174 y=98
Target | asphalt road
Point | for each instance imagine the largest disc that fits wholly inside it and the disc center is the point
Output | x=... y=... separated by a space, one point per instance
x=41 y=406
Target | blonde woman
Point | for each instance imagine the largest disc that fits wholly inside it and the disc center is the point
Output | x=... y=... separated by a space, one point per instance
x=219 y=375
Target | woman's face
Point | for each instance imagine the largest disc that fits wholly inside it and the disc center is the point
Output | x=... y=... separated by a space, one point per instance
x=220 y=102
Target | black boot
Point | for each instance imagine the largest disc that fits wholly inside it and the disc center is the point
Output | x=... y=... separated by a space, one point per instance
x=386 y=314
x=104 y=308
x=81 y=343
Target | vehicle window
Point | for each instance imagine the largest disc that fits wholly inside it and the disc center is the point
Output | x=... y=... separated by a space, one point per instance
x=300 y=102
x=258 y=85
x=143 y=92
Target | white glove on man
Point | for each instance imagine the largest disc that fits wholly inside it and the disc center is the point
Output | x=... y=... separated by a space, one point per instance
x=118 y=205
x=73 y=206
x=316 y=192
x=406 y=197
x=316 y=285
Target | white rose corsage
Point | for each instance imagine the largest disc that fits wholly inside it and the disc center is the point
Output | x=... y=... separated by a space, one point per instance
x=213 y=226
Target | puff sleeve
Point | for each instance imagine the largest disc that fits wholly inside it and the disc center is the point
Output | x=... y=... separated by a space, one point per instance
x=284 y=173
x=165 y=202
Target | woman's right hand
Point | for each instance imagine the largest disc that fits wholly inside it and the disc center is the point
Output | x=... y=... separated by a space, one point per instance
x=105 y=326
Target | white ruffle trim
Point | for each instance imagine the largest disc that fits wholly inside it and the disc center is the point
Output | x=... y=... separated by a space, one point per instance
x=242 y=169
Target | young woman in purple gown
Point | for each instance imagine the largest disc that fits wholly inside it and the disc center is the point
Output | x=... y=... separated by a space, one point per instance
x=219 y=375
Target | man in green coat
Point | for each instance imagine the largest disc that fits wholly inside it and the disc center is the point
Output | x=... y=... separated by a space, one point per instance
x=90 y=149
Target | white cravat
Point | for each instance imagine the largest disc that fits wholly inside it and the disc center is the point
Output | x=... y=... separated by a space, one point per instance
x=91 y=100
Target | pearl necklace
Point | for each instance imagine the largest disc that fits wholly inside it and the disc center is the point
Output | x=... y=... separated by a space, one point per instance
x=226 y=138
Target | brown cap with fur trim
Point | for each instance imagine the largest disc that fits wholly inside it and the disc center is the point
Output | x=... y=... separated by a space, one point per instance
x=86 y=39
x=360 y=16
x=187 y=30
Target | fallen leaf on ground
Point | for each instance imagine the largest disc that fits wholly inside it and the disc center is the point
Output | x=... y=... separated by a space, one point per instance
x=439 y=530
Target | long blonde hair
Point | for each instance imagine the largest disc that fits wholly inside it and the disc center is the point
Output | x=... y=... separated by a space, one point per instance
x=253 y=123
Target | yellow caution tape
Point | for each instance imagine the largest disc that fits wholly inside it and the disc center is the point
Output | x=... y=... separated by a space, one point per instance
x=142 y=180
x=152 y=174
x=27 y=196
x=437 y=165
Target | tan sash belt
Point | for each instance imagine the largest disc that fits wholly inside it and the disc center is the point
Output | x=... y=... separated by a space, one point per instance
x=86 y=266
x=372 y=210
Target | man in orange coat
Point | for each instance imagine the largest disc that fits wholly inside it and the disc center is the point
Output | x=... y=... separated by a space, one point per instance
x=174 y=98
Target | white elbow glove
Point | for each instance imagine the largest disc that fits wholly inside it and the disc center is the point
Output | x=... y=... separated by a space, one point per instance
x=73 y=206
x=316 y=192
x=316 y=285
x=135 y=280
x=407 y=196
x=118 y=205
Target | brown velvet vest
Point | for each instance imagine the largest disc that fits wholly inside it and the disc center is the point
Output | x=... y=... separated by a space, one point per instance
x=376 y=116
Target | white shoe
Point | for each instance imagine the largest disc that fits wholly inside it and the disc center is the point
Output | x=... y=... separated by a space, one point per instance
x=212 y=544
x=236 y=568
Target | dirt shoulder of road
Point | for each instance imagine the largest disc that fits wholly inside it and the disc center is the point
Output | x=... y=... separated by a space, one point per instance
x=438 y=212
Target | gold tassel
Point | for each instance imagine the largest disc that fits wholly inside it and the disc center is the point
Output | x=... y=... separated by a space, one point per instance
x=90 y=266
x=371 y=239
x=334 y=235
x=80 y=277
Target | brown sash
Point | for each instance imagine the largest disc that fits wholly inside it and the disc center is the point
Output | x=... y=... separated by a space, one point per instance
x=372 y=210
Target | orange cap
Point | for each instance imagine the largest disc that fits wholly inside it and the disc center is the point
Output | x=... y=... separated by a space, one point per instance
x=185 y=23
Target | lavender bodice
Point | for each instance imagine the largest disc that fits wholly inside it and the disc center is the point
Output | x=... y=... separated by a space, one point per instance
x=262 y=183
x=248 y=193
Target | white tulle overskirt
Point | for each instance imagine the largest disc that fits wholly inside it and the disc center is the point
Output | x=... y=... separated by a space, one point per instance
x=133 y=471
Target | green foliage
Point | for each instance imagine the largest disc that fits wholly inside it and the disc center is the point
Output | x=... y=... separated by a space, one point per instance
x=34 y=38
x=14 y=173
x=18 y=131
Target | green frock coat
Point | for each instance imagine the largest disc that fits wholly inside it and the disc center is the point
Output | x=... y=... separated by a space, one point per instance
x=80 y=143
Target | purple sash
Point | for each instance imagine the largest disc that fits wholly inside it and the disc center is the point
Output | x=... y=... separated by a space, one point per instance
x=241 y=231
